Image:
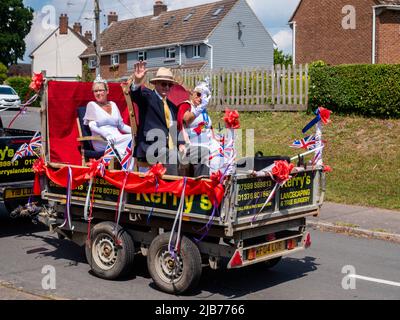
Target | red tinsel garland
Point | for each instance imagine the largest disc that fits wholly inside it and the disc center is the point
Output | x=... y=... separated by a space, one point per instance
x=134 y=183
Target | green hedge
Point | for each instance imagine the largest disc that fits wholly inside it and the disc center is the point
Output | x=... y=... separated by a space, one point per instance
x=21 y=85
x=367 y=90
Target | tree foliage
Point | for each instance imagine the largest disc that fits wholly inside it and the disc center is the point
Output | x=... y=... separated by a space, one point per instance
x=87 y=75
x=281 y=58
x=15 y=24
x=3 y=73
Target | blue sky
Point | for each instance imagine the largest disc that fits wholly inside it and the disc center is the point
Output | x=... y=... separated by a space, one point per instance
x=274 y=14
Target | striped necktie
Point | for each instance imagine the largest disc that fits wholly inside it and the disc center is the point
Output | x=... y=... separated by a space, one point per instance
x=168 y=117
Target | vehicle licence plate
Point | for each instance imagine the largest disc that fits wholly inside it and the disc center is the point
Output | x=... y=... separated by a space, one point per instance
x=270 y=249
x=17 y=193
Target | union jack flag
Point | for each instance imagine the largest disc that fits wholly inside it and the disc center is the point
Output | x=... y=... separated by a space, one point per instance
x=36 y=141
x=307 y=143
x=109 y=154
x=127 y=159
x=20 y=153
x=29 y=152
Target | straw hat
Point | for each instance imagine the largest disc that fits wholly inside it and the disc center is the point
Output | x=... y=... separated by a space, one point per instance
x=163 y=74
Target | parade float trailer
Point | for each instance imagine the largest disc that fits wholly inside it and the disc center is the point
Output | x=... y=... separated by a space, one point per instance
x=180 y=224
x=16 y=177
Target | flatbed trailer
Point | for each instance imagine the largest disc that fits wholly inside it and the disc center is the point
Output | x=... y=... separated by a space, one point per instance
x=236 y=235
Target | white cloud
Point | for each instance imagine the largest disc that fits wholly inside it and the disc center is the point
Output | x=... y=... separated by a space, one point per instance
x=283 y=40
x=37 y=34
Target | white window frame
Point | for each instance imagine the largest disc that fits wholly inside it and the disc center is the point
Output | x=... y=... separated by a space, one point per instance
x=218 y=11
x=169 y=52
x=115 y=59
x=142 y=55
x=196 y=51
x=92 y=62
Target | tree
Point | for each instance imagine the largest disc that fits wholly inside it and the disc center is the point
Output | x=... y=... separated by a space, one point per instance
x=281 y=58
x=15 y=24
x=87 y=75
x=3 y=73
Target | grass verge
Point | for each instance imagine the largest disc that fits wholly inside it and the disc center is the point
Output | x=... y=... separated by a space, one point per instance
x=363 y=153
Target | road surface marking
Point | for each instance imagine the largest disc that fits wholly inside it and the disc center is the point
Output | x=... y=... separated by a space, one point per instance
x=390 y=283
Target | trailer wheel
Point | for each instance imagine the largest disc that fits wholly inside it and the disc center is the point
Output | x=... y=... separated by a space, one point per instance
x=171 y=275
x=108 y=258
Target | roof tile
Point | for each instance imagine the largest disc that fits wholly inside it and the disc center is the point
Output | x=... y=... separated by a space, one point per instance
x=153 y=31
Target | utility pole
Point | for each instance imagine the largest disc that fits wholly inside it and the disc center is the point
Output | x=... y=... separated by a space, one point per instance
x=98 y=43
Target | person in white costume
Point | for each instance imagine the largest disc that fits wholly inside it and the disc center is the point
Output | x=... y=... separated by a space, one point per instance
x=104 y=119
x=196 y=126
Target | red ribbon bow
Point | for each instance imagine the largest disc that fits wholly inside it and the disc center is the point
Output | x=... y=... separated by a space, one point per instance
x=39 y=166
x=327 y=169
x=39 y=169
x=156 y=172
x=232 y=119
x=200 y=128
x=93 y=169
x=216 y=178
x=281 y=171
x=324 y=114
x=37 y=82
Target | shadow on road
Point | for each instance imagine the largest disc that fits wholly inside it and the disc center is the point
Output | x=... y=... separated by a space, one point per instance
x=231 y=284
x=234 y=284
x=19 y=227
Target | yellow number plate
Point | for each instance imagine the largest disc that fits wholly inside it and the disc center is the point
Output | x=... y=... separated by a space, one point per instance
x=17 y=193
x=270 y=249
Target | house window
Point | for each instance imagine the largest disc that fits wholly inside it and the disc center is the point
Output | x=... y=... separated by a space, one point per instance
x=170 y=53
x=196 y=51
x=92 y=63
x=187 y=18
x=218 y=11
x=115 y=59
x=142 y=55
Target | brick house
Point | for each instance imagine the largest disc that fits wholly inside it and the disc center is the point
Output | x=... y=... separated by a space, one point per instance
x=346 y=31
x=223 y=34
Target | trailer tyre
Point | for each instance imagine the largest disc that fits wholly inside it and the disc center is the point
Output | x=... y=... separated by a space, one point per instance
x=178 y=275
x=111 y=251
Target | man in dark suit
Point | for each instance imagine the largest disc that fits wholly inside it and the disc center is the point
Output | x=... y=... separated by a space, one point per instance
x=157 y=139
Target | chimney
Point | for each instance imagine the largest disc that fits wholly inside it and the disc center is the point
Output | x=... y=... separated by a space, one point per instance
x=112 y=17
x=77 y=27
x=88 y=35
x=63 y=24
x=159 y=7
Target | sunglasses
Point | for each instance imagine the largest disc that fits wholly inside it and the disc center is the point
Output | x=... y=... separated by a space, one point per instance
x=100 y=90
x=198 y=94
x=166 y=84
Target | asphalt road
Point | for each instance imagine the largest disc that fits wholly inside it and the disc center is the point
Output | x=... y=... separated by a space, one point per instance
x=25 y=249
x=28 y=120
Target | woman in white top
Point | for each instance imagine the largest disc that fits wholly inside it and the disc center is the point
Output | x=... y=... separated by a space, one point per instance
x=104 y=119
